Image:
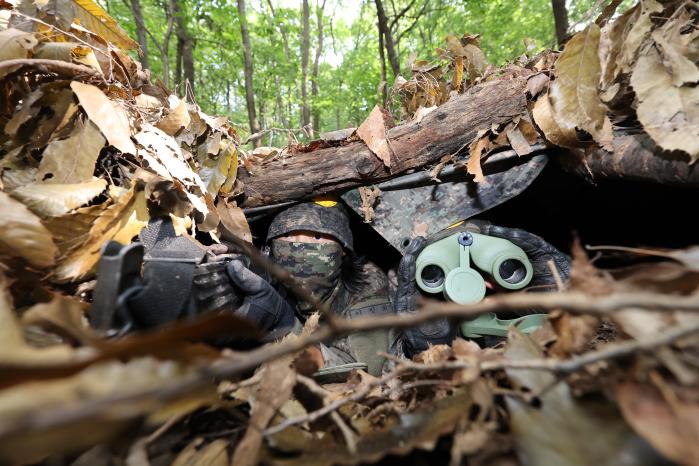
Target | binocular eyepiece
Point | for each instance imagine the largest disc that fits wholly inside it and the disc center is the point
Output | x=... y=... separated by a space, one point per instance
x=444 y=266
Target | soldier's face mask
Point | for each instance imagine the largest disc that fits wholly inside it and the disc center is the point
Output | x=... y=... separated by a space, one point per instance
x=316 y=265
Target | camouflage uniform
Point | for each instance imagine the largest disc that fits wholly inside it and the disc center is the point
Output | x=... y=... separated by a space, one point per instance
x=318 y=266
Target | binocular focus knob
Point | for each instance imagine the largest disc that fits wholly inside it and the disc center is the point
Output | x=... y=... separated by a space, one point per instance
x=464 y=286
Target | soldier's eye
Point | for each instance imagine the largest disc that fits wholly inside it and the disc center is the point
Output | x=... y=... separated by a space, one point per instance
x=317 y=235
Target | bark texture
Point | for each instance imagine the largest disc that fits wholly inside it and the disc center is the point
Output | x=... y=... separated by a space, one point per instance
x=560 y=19
x=140 y=31
x=389 y=43
x=248 y=66
x=444 y=131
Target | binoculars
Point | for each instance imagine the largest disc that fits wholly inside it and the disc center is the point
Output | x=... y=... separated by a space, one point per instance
x=444 y=266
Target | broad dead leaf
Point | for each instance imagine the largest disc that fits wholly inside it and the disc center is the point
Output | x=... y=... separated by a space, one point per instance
x=109 y=116
x=218 y=169
x=670 y=427
x=373 y=132
x=52 y=200
x=62 y=315
x=233 y=221
x=72 y=160
x=674 y=47
x=70 y=52
x=641 y=24
x=551 y=434
x=546 y=120
x=163 y=155
x=212 y=454
x=121 y=222
x=611 y=44
x=23 y=235
x=15 y=44
x=574 y=92
x=274 y=390
x=176 y=119
x=669 y=114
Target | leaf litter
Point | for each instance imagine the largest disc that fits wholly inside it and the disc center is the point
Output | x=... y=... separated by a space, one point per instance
x=66 y=393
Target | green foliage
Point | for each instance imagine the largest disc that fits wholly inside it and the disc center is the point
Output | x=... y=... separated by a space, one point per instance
x=350 y=69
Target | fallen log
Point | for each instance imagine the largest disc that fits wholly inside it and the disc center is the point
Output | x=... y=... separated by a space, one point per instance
x=635 y=157
x=447 y=130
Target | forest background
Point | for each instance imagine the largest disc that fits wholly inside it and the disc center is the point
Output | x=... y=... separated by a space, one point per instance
x=323 y=64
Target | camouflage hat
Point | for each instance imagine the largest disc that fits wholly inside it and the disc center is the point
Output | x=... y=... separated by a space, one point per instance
x=327 y=218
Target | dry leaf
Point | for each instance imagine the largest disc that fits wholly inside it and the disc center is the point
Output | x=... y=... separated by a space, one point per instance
x=61 y=315
x=537 y=83
x=218 y=169
x=669 y=114
x=120 y=221
x=23 y=235
x=675 y=433
x=213 y=454
x=233 y=221
x=574 y=95
x=274 y=390
x=72 y=160
x=109 y=116
x=546 y=120
x=52 y=200
x=373 y=132
x=638 y=32
x=674 y=48
x=480 y=144
x=15 y=44
x=611 y=44
x=176 y=119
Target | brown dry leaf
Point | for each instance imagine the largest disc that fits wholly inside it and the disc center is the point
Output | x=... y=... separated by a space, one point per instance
x=611 y=44
x=121 y=221
x=233 y=221
x=480 y=144
x=212 y=454
x=669 y=114
x=674 y=48
x=52 y=200
x=574 y=333
x=163 y=155
x=61 y=315
x=72 y=229
x=518 y=141
x=23 y=235
x=674 y=432
x=109 y=116
x=637 y=33
x=574 y=92
x=546 y=120
x=373 y=132
x=551 y=433
x=537 y=83
x=71 y=52
x=176 y=119
x=15 y=44
x=72 y=160
x=274 y=390
x=218 y=169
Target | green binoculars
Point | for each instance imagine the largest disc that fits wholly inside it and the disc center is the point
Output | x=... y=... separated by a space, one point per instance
x=444 y=266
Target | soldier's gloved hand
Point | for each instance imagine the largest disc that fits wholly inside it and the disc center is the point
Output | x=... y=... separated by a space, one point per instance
x=538 y=250
x=419 y=338
x=262 y=304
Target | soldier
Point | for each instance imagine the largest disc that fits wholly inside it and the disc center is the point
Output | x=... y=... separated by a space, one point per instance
x=314 y=243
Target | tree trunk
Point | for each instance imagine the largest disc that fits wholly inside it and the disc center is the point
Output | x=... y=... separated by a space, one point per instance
x=444 y=131
x=382 y=57
x=140 y=31
x=185 y=47
x=389 y=43
x=305 y=46
x=316 y=67
x=247 y=70
x=560 y=18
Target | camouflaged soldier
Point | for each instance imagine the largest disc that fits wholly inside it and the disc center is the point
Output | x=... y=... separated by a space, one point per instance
x=314 y=243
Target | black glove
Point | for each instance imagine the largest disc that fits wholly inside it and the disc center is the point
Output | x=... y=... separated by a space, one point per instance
x=535 y=247
x=436 y=332
x=262 y=304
